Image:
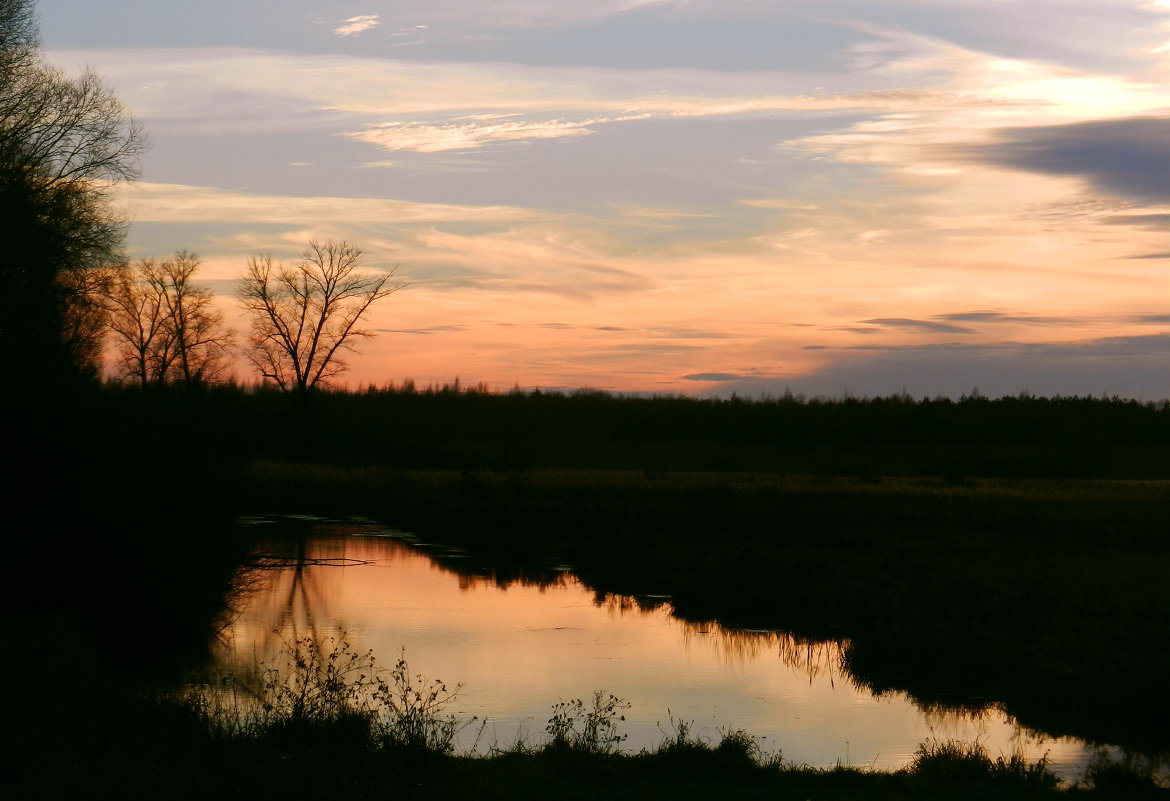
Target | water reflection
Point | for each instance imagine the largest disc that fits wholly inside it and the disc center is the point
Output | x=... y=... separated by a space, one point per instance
x=521 y=641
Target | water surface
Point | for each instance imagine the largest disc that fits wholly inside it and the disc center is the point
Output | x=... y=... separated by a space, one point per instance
x=518 y=648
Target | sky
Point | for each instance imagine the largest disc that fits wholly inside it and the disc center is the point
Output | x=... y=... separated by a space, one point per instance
x=828 y=197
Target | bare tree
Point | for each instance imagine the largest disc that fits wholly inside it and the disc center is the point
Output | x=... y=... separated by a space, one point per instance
x=83 y=322
x=305 y=315
x=136 y=318
x=167 y=329
x=18 y=36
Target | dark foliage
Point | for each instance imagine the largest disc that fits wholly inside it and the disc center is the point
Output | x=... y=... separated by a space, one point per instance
x=63 y=142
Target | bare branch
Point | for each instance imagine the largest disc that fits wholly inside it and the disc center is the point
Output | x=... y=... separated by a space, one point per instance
x=304 y=315
x=167 y=328
x=63 y=143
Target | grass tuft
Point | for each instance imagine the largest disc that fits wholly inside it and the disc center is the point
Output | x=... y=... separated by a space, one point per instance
x=953 y=762
x=325 y=696
x=593 y=730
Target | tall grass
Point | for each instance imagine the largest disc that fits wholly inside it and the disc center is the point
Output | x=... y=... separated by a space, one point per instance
x=323 y=720
x=591 y=729
x=953 y=762
x=324 y=692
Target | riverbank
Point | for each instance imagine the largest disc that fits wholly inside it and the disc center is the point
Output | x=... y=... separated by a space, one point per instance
x=951 y=544
x=1045 y=596
x=325 y=731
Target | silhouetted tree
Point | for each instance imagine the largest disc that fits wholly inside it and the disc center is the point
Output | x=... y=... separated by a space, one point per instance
x=305 y=315
x=64 y=143
x=167 y=329
x=83 y=324
x=18 y=35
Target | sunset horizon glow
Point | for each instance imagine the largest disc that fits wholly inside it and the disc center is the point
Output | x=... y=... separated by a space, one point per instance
x=829 y=198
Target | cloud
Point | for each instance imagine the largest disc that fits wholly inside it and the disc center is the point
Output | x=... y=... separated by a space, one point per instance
x=1151 y=222
x=411 y=31
x=174 y=203
x=279 y=90
x=478 y=18
x=999 y=317
x=985 y=110
x=427 y=138
x=688 y=333
x=712 y=377
x=919 y=325
x=435 y=329
x=1125 y=157
x=355 y=25
x=1137 y=367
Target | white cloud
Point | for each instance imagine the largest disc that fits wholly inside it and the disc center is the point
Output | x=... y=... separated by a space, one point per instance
x=425 y=138
x=355 y=25
x=973 y=97
x=411 y=31
x=518 y=14
x=191 y=84
x=170 y=203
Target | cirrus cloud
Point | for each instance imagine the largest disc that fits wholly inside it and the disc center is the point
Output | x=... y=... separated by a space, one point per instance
x=355 y=25
x=467 y=133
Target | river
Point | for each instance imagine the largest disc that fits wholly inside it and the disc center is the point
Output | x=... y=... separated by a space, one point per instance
x=518 y=647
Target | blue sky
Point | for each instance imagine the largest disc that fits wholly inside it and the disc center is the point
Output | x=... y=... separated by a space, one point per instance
x=703 y=197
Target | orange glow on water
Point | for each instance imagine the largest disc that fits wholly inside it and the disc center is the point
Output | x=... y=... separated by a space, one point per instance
x=518 y=650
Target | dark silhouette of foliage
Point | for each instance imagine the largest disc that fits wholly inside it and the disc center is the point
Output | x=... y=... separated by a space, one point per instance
x=64 y=143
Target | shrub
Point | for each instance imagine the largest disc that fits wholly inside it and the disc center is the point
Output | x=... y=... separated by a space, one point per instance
x=574 y=727
x=327 y=693
x=951 y=762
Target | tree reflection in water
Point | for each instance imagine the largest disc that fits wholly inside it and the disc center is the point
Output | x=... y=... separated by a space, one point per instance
x=527 y=636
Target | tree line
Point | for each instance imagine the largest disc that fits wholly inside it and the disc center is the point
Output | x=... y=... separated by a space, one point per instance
x=66 y=143
x=303 y=317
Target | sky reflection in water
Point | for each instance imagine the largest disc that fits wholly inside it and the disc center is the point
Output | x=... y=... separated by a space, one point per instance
x=518 y=650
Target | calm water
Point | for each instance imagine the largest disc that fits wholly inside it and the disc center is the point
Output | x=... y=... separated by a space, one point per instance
x=518 y=650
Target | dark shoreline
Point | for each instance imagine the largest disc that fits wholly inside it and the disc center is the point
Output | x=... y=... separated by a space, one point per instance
x=965 y=557
x=958 y=595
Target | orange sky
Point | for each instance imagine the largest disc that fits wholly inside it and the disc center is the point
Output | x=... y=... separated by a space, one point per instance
x=830 y=197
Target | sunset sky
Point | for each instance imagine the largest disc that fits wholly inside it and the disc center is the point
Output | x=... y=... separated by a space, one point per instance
x=704 y=196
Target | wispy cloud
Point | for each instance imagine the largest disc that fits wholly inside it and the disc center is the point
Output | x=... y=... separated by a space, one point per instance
x=194 y=83
x=436 y=329
x=1000 y=317
x=411 y=31
x=469 y=134
x=712 y=376
x=918 y=325
x=355 y=25
x=170 y=203
x=1152 y=222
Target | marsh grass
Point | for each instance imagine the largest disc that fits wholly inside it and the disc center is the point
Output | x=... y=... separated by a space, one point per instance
x=955 y=762
x=325 y=721
x=591 y=729
x=324 y=693
x=1127 y=775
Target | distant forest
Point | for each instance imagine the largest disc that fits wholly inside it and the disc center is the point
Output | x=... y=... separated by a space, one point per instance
x=455 y=427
